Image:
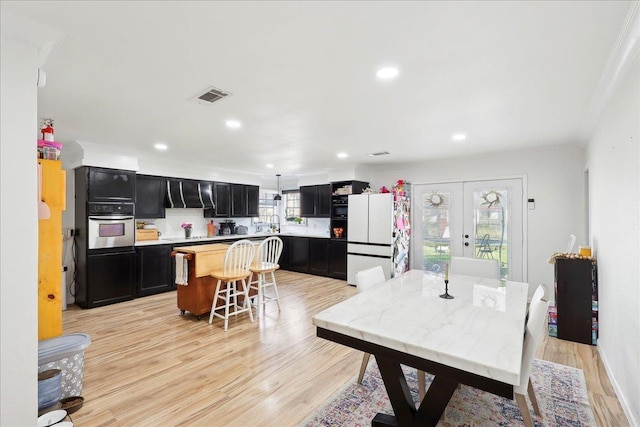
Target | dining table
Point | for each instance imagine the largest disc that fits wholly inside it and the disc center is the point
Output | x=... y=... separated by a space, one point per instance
x=475 y=338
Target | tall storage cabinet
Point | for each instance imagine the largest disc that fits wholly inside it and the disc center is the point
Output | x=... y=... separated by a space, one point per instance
x=50 y=250
x=576 y=293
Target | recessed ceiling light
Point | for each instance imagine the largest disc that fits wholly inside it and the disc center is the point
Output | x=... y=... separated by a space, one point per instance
x=342 y=155
x=233 y=124
x=387 y=73
x=459 y=136
x=270 y=166
x=160 y=146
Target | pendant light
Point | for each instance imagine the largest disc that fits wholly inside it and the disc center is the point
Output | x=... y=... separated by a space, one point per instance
x=278 y=197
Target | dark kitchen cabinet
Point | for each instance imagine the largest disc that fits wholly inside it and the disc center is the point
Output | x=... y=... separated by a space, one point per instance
x=238 y=201
x=300 y=254
x=244 y=200
x=154 y=269
x=222 y=199
x=576 y=295
x=253 y=200
x=285 y=257
x=319 y=256
x=110 y=278
x=338 y=259
x=315 y=201
x=107 y=185
x=150 y=196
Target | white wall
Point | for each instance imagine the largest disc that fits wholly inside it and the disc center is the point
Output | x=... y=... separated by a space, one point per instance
x=554 y=178
x=19 y=229
x=613 y=158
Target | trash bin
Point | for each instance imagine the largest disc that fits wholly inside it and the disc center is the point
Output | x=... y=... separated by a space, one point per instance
x=67 y=354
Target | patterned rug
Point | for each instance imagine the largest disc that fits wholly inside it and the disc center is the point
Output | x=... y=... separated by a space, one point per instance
x=561 y=392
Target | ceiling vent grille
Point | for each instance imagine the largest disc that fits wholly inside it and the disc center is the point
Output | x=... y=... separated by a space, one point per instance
x=212 y=95
x=379 y=153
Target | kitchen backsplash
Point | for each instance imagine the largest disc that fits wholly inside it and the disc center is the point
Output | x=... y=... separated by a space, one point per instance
x=170 y=226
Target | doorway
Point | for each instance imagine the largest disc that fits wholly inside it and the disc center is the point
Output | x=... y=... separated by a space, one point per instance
x=474 y=219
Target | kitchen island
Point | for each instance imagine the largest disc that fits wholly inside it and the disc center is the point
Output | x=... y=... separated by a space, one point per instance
x=197 y=296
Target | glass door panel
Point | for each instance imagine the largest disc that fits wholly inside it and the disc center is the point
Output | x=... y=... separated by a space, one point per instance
x=438 y=227
x=476 y=219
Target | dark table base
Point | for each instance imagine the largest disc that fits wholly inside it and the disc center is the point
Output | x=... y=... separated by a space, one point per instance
x=444 y=384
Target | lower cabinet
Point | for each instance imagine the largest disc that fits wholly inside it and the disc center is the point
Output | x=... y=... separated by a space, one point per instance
x=110 y=278
x=314 y=255
x=155 y=266
x=300 y=254
x=338 y=259
x=319 y=257
x=285 y=257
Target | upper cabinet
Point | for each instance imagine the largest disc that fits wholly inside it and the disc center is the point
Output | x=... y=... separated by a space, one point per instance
x=222 y=199
x=150 y=196
x=234 y=200
x=315 y=201
x=253 y=200
x=110 y=185
x=244 y=200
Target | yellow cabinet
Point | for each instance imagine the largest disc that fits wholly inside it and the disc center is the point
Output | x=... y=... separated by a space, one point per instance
x=50 y=251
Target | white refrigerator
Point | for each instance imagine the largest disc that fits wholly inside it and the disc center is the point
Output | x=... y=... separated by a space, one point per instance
x=370 y=234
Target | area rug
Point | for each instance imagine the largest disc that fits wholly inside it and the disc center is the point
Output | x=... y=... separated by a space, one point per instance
x=561 y=392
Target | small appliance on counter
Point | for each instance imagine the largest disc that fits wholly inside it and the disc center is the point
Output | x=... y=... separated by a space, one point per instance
x=227 y=228
x=242 y=229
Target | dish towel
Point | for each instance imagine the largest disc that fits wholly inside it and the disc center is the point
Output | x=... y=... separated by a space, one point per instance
x=182 y=270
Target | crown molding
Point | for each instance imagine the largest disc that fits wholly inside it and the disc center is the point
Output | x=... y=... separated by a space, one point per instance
x=622 y=57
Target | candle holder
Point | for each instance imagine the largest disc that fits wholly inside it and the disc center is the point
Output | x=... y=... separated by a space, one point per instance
x=446 y=290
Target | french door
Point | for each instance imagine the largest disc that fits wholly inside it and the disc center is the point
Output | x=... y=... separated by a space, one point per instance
x=475 y=219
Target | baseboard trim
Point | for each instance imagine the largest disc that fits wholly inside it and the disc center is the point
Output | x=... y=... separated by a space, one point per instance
x=616 y=388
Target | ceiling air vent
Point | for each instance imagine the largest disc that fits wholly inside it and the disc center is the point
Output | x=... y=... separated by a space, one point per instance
x=379 y=153
x=212 y=95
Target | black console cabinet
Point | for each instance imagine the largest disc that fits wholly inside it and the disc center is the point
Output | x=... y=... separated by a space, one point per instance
x=576 y=294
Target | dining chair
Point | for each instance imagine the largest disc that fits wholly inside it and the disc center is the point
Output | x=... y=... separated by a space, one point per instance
x=237 y=261
x=488 y=268
x=365 y=279
x=533 y=334
x=269 y=253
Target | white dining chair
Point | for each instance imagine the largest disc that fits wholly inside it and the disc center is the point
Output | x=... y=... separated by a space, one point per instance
x=269 y=253
x=365 y=279
x=488 y=268
x=237 y=261
x=533 y=334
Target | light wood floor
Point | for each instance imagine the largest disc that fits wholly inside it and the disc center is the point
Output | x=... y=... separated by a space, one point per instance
x=149 y=366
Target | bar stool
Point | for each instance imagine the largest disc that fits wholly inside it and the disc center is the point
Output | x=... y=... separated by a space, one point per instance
x=269 y=253
x=235 y=268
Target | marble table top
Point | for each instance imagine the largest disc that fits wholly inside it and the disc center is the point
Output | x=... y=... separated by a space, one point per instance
x=480 y=331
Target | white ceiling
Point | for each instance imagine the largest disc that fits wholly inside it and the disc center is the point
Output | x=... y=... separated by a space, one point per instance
x=302 y=77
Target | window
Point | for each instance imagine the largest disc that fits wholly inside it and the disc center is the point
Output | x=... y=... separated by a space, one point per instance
x=267 y=208
x=292 y=207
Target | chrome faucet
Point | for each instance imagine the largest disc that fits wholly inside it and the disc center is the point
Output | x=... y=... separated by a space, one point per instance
x=273 y=224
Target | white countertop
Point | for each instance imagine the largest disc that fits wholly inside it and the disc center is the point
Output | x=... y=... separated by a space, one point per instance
x=181 y=239
x=480 y=331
